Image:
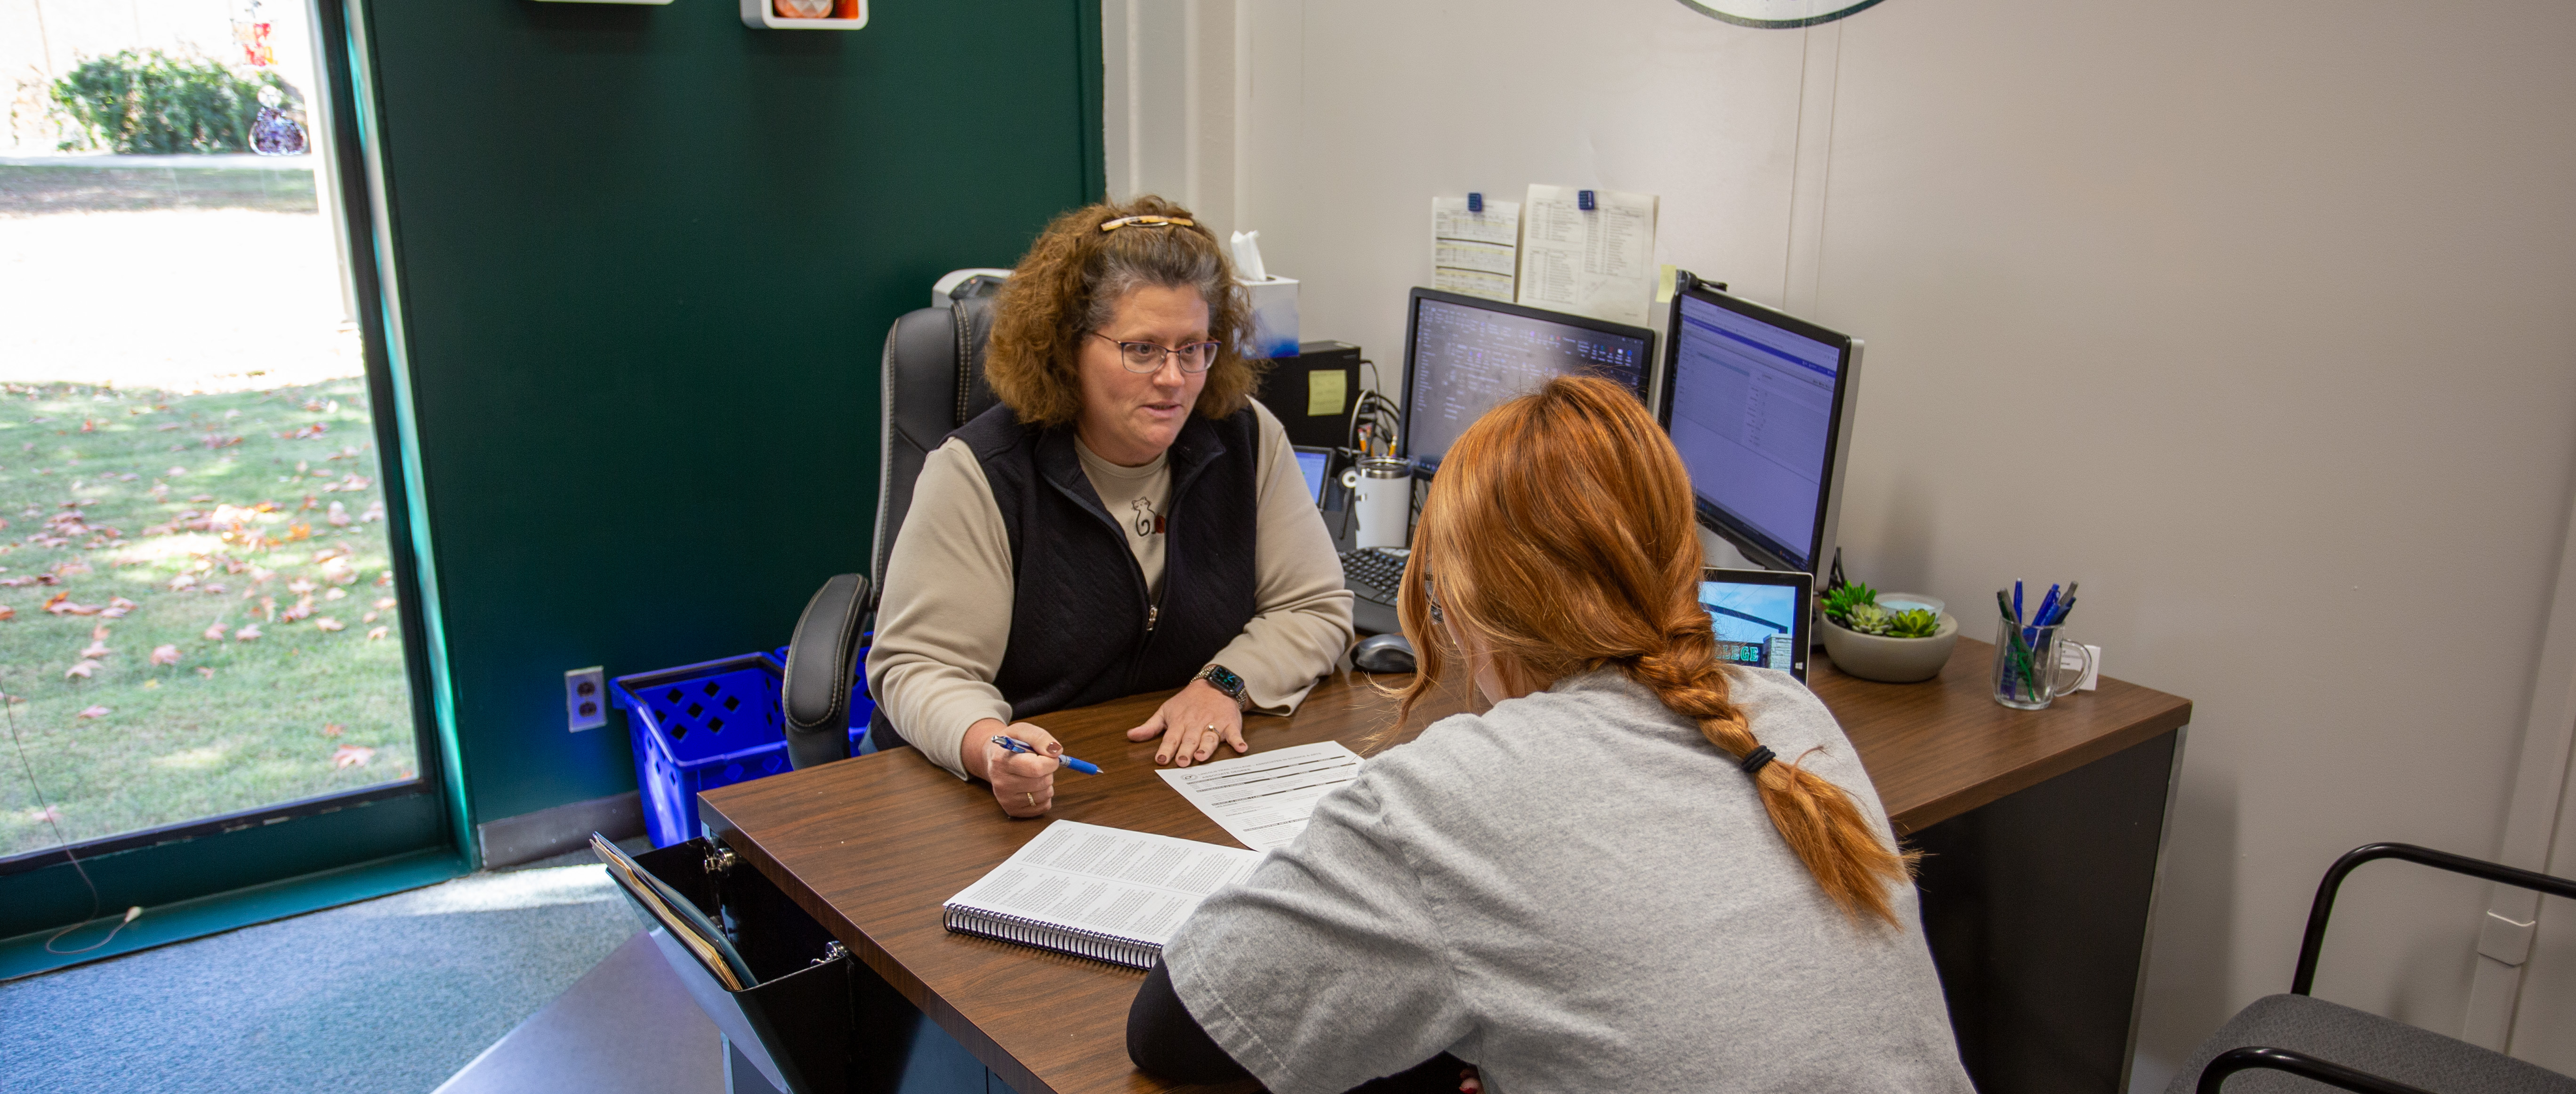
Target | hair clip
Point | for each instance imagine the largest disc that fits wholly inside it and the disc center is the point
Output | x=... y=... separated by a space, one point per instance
x=1149 y=219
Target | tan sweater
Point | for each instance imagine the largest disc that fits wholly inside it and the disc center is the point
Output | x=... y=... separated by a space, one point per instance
x=945 y=619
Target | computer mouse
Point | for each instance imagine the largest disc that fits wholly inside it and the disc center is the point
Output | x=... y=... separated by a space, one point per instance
x=1383 y=653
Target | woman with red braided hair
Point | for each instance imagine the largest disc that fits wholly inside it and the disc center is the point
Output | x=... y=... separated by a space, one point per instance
x=1640 y=869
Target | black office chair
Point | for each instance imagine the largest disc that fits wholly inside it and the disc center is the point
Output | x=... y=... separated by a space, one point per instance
x=933 y=372
x=2299 y=1034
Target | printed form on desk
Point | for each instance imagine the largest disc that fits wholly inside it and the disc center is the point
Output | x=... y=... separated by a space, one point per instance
x=1598 y=262
x=1265 y=798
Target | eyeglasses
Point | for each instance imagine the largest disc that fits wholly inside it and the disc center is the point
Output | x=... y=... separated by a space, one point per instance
x=1148 y=357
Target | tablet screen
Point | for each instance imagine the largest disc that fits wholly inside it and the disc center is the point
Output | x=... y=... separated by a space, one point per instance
x=1314 y=461
x=1757 y=624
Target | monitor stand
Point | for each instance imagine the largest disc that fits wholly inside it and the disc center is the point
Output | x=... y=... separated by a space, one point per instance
x=1716 y=551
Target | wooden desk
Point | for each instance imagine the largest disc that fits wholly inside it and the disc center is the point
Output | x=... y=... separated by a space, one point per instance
x=872 y=846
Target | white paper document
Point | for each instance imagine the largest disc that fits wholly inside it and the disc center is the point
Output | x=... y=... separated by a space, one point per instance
x=1475 y=253
x=1598 y=262
x=1264 y=799
x=1100 y=892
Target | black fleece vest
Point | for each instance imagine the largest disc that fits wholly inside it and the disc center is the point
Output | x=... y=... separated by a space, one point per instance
x=1080 y=631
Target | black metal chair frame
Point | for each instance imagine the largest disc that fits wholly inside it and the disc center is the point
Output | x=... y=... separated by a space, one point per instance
x=2313 y=943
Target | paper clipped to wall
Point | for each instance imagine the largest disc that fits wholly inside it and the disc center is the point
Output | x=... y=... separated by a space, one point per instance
x=1475 y=253
x=1598 y=262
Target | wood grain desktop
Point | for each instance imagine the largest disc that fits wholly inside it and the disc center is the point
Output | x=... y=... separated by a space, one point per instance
x=871 y=846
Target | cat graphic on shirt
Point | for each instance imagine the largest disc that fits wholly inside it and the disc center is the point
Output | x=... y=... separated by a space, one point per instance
x=1148 y=522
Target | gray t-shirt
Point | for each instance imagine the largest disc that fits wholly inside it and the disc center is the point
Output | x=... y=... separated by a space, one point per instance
x=1575 y=892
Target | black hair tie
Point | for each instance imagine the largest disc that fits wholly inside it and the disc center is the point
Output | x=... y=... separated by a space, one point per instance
x=1754 y=760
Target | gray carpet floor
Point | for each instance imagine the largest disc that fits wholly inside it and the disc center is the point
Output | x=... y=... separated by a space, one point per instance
x=390 y=995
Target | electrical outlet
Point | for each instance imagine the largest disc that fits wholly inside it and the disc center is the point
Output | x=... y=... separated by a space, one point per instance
x=585 y=699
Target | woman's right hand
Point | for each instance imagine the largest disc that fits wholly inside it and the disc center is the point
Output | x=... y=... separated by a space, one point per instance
x=1023 y=782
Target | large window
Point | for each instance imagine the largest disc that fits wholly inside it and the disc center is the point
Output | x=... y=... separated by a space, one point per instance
x=201 y=612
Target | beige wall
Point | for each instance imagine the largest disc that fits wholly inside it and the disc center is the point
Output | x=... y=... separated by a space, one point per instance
x=2255 y=318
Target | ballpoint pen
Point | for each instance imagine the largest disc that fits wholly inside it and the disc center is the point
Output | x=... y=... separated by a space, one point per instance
x=2017 y=652
x=2016 y=604
x=1017 y=745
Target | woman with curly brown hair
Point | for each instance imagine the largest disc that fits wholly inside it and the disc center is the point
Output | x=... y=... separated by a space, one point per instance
x=1128 y=519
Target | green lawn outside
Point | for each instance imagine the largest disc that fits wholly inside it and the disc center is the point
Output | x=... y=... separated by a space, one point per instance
x=223 y=508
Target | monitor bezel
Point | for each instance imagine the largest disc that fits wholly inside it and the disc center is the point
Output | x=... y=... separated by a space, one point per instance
x=1753 y=542
x=1412 y=332
x=1801 y=635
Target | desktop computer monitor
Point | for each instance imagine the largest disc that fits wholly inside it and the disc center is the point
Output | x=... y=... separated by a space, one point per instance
x=1465 y=355
x=1760 y=404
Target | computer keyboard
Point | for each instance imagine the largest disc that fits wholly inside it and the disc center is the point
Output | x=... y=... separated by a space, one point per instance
x=1374 y=572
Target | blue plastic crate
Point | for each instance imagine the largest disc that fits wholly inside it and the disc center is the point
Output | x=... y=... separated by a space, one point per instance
x=699 y=727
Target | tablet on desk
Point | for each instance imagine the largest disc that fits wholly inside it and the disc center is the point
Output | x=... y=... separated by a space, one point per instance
x=1314 y=462
x=1761 y=616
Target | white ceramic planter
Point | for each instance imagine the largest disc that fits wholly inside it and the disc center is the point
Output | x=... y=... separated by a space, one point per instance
x=1891 y=660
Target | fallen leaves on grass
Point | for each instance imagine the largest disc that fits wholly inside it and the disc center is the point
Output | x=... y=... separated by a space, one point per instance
x=375 y=511
x=182 y=583
x=300 y=585
x=248 y=633
x=352 y=756
x=215 y=633
x=338 y=516
x=8 y=613
x=165 y=655
x=333 y=729
x=377 y=633
x=326 y=623
x=96 y=649
x=117 y=607
x=302 y=609
x=93 y=712
x=62 y=604
x=83 y=669
x=305 y=433
x=205 y=672
x=385 y=603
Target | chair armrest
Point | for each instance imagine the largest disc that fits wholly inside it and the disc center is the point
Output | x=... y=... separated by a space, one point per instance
x=2296 y=1063
x=2314 y=940
x=821 y=656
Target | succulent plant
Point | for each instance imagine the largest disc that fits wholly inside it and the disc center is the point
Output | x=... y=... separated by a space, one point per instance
x=1913 y=623
x=1840 y=602
x=1870 y=619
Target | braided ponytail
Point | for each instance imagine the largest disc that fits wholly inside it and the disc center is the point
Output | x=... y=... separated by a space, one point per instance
x=1561 y=536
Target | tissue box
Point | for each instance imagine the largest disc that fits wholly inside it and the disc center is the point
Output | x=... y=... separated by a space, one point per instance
x=1274 y=317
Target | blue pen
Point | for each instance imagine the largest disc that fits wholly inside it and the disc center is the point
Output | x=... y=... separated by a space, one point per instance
x=2017 y=616
x=1017 y=745
x=2039 y=618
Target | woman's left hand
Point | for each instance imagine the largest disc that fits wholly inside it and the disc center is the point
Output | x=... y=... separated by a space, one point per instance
x=1192 y=725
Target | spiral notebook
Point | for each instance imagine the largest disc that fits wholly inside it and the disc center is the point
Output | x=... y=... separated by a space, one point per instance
x=1103 y=893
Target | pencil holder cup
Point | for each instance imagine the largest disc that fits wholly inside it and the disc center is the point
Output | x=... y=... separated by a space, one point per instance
x=2027 y=673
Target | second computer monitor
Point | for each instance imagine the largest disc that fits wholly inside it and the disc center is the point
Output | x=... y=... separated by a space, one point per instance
x=1760 y=405
x=1465 y=355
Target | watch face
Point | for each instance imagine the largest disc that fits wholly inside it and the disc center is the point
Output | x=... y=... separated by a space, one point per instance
x=1224 y=680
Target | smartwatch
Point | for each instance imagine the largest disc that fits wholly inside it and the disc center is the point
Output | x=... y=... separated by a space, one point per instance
x=1223 y=679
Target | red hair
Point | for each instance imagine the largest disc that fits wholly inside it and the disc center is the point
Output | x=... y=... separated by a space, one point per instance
x=1559 y=538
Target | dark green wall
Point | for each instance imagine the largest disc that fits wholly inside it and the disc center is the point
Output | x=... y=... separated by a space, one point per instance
x=647 y=257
